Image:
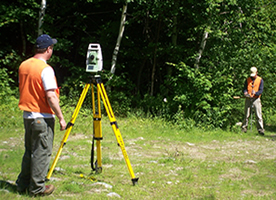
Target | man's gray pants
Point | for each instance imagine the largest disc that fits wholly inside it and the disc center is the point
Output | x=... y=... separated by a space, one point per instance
x=257 y=106
x=39 y=135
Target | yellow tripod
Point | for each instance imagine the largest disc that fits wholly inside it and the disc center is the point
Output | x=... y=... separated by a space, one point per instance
x=97 y=128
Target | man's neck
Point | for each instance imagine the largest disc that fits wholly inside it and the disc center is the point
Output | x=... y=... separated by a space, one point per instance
x=40 y=57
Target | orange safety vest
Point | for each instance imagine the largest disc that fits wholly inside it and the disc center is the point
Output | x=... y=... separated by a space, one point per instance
x=32 y=93
x=253 y=86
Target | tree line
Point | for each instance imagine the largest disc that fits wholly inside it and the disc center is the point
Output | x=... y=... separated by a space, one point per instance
x=181 y=60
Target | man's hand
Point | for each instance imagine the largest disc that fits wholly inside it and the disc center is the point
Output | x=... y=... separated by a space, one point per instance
x=62 y=124
x=246 y=95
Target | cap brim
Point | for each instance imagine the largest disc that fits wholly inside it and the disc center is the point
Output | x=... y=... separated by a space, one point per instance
x=54 y=40
x=253 y=74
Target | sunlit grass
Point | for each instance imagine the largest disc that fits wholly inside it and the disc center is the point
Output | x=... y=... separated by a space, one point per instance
x=171 y=163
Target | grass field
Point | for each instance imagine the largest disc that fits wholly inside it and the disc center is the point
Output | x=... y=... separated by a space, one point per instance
x=170 y=163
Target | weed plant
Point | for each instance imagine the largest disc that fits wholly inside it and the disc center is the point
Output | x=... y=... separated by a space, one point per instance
x=170 y=161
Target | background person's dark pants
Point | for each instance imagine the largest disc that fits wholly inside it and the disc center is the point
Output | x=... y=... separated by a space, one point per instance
x=39 y=135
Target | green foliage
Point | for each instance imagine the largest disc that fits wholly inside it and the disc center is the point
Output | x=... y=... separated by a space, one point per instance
x=120 y=95
x=9 y=112
x=153 y=106
x=6 y=92
x=240 y=34
x=181 y=121
x=199 y=96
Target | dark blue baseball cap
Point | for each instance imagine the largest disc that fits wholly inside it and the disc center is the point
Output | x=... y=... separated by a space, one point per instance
x=44 y=41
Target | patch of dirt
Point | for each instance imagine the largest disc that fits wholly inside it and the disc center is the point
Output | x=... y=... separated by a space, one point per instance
x=77 y=136
x=228 y=151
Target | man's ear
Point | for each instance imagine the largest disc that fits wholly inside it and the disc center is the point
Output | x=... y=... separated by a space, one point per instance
x=48 y=49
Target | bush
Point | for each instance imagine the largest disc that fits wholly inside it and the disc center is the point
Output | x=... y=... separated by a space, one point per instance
x=6 y=93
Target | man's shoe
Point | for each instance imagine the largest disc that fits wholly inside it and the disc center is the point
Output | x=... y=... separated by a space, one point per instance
x=261 y=133
x=48 y=190
x=244 y=130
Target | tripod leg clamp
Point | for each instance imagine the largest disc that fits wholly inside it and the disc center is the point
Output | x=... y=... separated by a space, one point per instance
x=98 y=138
x=69 y=124
x=111 y=123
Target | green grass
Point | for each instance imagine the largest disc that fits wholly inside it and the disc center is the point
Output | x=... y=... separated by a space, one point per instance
x=170 y=163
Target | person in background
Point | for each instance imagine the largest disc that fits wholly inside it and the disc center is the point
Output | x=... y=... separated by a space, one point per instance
x=253 y=89
x=39 y=100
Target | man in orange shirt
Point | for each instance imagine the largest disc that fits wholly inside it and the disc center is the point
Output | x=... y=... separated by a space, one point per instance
x=39 y=100
x=253 y=89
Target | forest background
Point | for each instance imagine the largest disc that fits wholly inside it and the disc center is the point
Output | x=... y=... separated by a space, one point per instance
x=179 y=60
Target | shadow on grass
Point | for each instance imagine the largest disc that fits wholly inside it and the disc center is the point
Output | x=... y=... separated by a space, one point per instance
x=211 y=197
x=270 y=128
x=8 y=186
x=272 y=137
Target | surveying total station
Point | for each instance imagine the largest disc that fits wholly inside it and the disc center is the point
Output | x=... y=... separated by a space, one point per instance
x=94 y=64
x=94 y=58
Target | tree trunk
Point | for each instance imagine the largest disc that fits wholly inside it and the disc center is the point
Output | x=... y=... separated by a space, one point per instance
x=201 y=49
x=23 y=38
x=120 y=36
x=155 y=59
x=41 y=16
x=174 y=42
x=174 y=30
x=140 y=74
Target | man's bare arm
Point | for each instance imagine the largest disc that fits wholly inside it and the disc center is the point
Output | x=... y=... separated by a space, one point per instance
x=54 y=104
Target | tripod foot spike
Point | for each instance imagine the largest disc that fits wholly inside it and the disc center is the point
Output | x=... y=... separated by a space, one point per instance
x=135 y=181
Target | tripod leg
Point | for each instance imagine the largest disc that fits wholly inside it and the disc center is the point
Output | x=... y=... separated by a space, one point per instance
x=251 y=121
x=92 y=148
x=97 y=131
x=251 y=113
x=116 y=130
x=68 y=129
